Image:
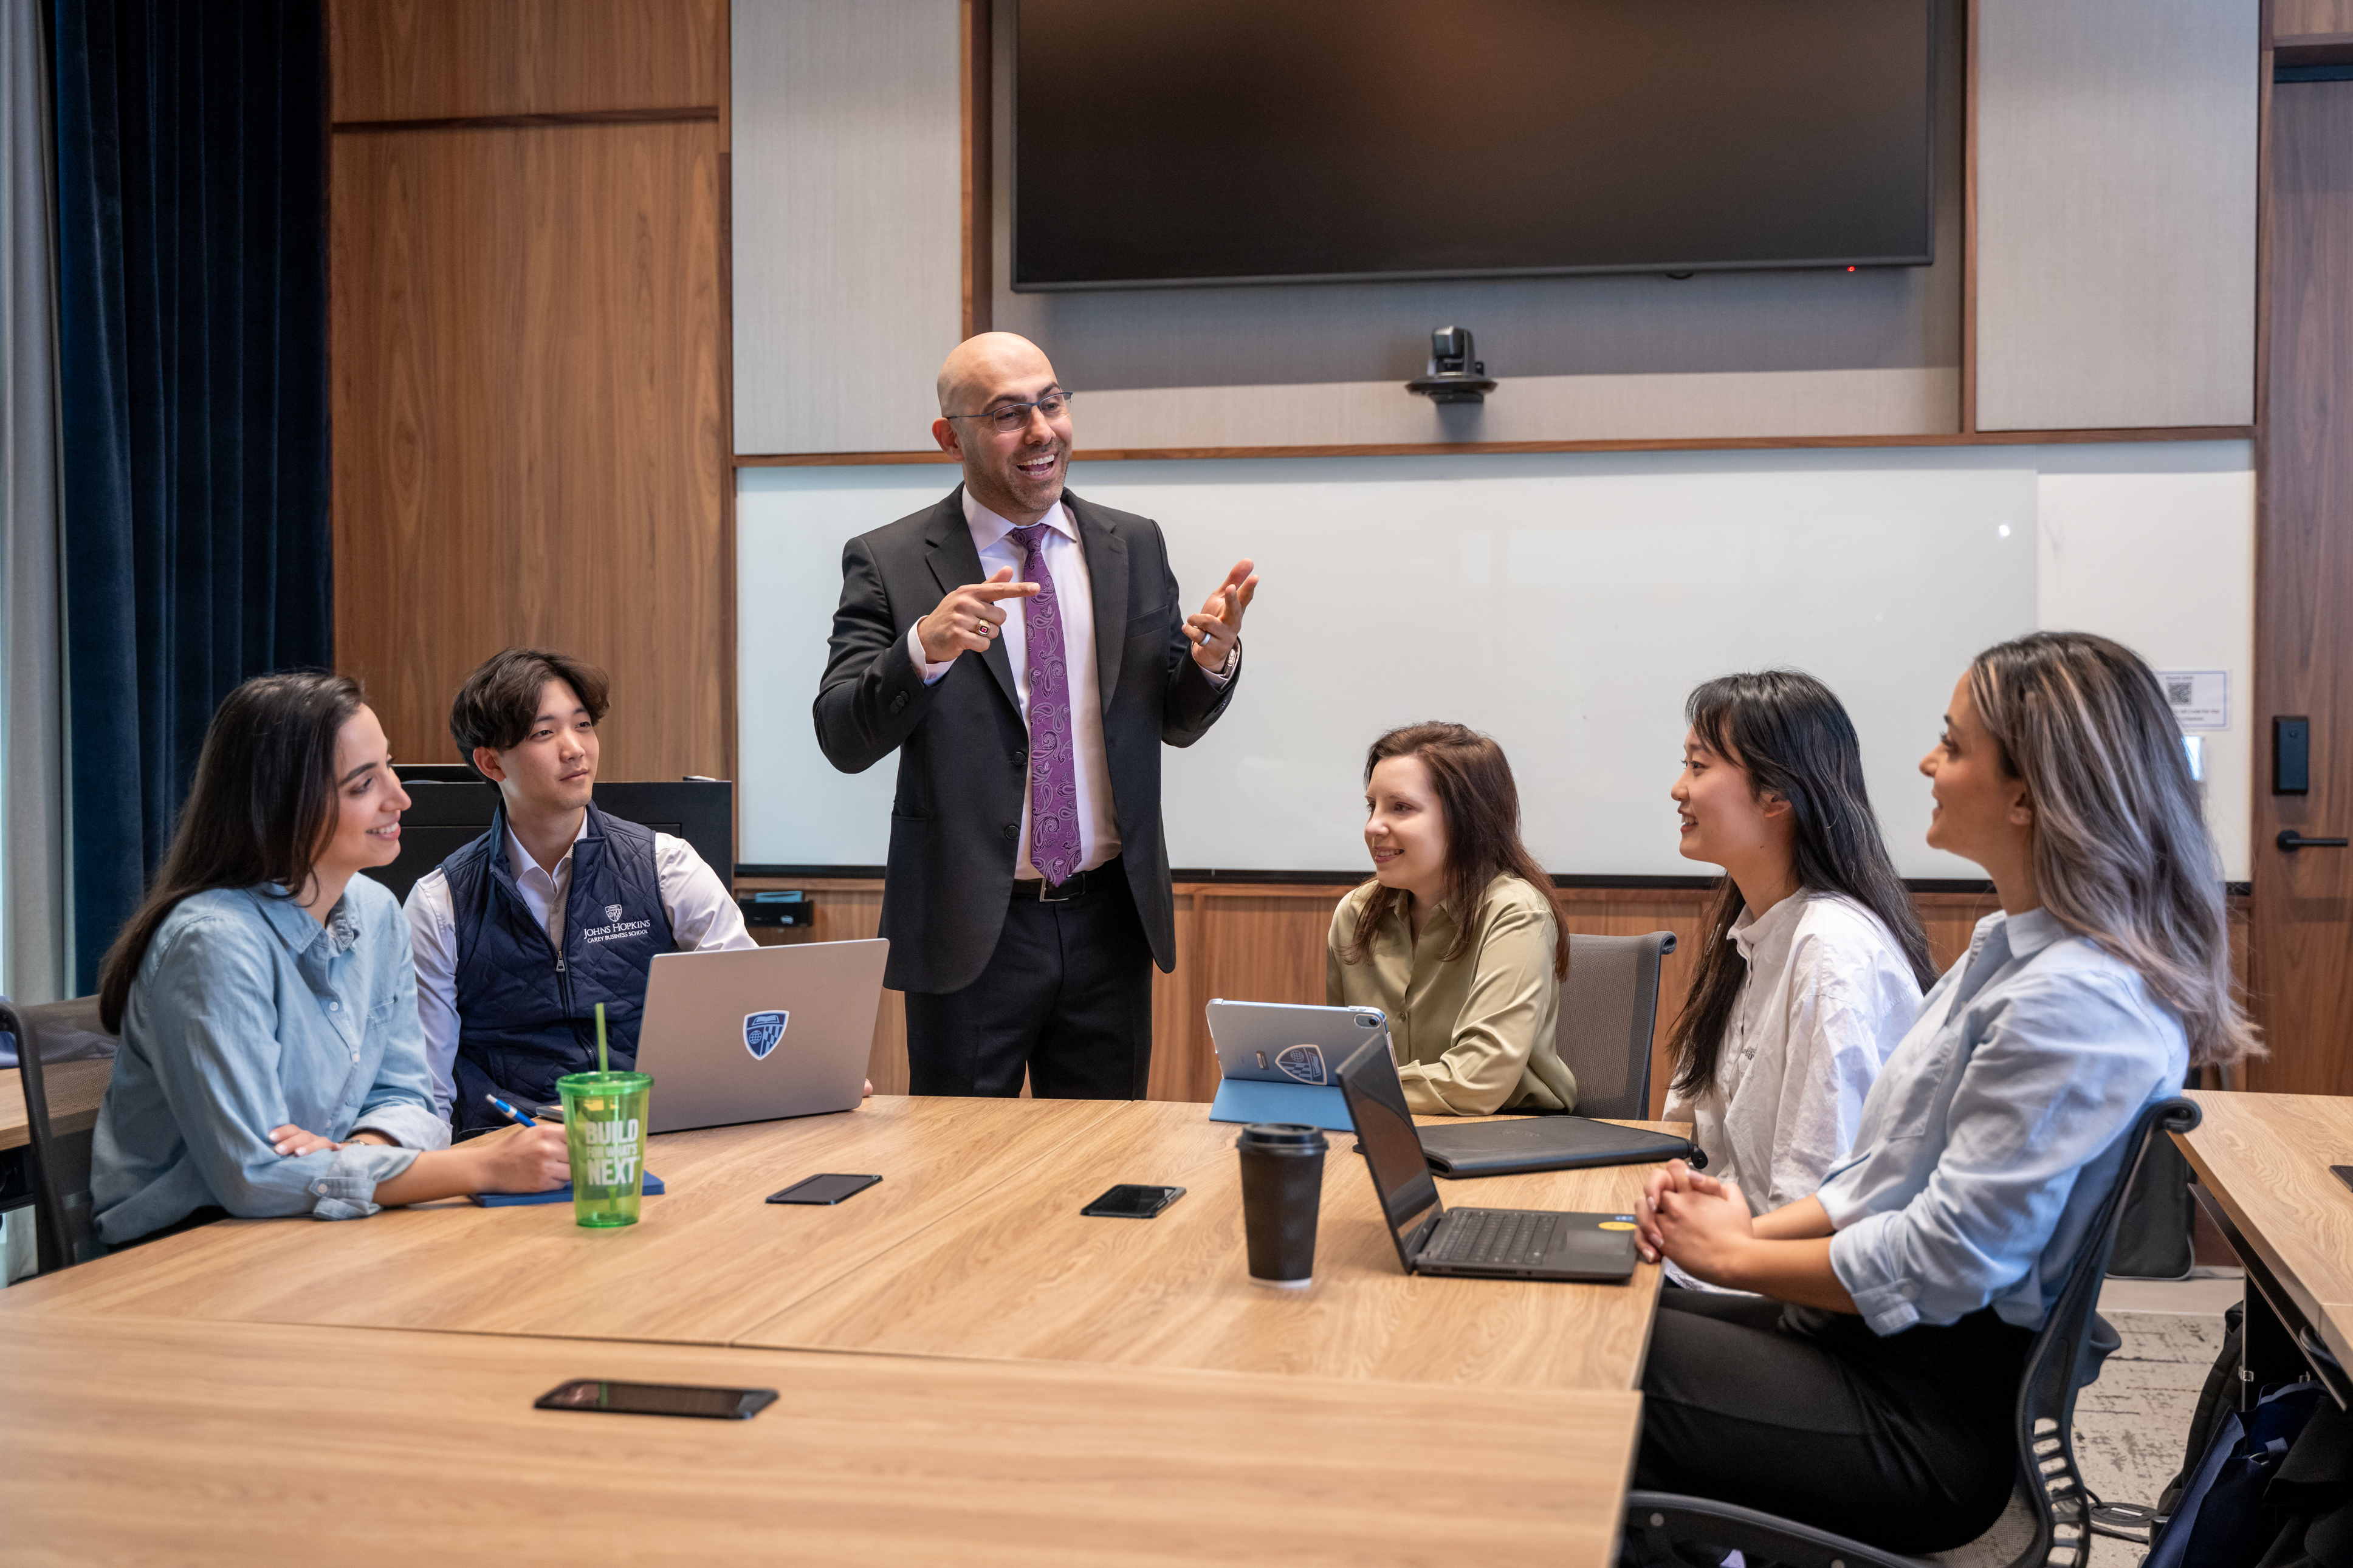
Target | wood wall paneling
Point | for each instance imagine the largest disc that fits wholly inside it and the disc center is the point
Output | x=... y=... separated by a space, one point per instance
x=2115 y=144
x=531 y=424
x=428 y=59
x=2293 y=18
x=2303 y=906
x=1265 y=943
x=975 y=19
x=848 y=149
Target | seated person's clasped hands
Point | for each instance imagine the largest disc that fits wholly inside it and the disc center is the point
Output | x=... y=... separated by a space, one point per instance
x=1870 y=1384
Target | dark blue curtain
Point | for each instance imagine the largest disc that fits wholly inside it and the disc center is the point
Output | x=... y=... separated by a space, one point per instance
x=192 y=325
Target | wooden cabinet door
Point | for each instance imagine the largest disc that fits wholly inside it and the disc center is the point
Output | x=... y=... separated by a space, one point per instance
x=2301 y=941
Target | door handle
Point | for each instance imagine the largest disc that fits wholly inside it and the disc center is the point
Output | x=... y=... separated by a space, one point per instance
x=2291 y=840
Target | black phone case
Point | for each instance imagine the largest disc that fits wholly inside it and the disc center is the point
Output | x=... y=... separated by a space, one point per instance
x=1096 y=1211
x=749 y=1402
x=787 y=1195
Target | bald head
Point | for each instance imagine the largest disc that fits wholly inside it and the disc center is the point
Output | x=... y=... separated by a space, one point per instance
x=991 y=365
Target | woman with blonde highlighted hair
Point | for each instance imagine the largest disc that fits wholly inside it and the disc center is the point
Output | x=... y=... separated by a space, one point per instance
x=1872 y=1392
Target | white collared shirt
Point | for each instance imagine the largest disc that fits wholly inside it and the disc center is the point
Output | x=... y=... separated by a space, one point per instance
x=702 y=915
x=1066 y=562
x=1827 y=997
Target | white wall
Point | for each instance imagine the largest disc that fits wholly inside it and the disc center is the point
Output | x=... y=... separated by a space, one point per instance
x=2155 y=546
x=1566 y=603
x=846 y=212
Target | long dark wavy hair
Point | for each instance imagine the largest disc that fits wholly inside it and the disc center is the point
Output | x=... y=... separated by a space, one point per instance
x=1790 y=734
x=261 y=808
x=1481 y=805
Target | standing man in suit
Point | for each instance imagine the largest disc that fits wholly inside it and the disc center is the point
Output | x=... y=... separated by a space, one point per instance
x=1025 y=653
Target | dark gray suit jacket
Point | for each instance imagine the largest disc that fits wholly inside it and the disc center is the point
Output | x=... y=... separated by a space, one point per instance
x=955 y=822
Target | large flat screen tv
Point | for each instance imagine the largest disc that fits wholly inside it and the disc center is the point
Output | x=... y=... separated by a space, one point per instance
x=1164 y=142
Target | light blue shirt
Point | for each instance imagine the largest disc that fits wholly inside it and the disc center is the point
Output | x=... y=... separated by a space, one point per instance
x=1998 y=1127
x=248 y=1015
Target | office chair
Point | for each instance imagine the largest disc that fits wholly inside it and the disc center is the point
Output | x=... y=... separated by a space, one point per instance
x=1608 y=1007
x=61 y=1232
x=2062 y=1359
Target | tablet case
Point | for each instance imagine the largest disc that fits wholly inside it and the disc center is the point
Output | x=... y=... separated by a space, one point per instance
x=1277 y=1060
x=1546 y=1143
x=563 y=1195
x=1255 y=1100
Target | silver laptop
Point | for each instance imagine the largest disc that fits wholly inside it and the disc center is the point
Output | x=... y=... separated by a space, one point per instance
x=758 y=1033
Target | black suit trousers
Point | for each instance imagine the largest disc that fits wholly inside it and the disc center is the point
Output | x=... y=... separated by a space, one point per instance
x=1067 y=995
x=1904 y=1442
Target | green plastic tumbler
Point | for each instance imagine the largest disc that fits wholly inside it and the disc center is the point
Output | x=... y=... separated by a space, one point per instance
x=604 y=1127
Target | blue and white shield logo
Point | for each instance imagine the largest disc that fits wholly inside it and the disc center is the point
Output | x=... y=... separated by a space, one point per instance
x=761 y=1033
x=1304 y=1063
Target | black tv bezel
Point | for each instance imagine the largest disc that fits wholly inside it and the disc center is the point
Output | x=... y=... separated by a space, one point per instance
x=1937 y=10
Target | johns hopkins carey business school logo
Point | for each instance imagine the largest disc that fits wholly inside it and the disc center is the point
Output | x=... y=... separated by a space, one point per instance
x=612 y=911
x=761 y=1033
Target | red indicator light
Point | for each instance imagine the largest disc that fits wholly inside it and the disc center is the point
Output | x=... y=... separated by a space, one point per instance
x=1850 y=270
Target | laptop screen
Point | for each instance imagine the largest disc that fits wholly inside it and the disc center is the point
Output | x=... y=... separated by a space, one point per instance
x=1391 y=1148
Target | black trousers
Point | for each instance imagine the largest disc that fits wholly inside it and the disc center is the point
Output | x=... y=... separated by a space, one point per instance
x=1904 y=1442
x=1067 y=994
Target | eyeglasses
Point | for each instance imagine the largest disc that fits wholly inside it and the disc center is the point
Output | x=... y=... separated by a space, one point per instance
x=1014 y=416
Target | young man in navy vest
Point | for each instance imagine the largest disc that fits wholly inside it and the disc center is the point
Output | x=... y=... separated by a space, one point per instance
x=558 y=906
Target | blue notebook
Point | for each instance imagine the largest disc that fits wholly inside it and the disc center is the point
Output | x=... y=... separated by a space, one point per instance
x=563 y=1195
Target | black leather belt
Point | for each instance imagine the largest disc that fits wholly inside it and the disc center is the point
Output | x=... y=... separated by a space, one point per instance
x=1035 y=890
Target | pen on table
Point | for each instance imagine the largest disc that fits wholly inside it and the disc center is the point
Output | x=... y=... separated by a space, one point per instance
x=509 y=1111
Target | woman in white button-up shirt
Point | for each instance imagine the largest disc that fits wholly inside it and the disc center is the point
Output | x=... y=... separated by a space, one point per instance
x=1878 y=1401
x=1813 y=962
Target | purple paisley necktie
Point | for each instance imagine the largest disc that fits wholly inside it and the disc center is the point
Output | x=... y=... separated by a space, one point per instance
x=1053 y=772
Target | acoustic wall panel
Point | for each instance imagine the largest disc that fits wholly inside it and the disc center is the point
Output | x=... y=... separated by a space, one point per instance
x=848 y=220
x=2115 y=236
x=530 y=438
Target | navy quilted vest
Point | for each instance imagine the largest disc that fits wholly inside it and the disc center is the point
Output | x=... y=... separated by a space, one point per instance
x=526 y=1013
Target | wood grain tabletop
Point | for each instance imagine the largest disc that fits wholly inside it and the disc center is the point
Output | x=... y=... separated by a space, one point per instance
x=126 y=1439
x=707 y=1260
x=1022 y=1273
x=2265 y=1158
x=75 y=1090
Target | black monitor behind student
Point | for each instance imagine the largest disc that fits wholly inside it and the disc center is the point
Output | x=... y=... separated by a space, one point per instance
x=556 y=908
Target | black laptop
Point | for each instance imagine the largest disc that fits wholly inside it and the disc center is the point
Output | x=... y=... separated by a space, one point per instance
x=1501 y=1244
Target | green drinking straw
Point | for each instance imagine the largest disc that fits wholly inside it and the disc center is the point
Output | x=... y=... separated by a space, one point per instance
x=602 y=1065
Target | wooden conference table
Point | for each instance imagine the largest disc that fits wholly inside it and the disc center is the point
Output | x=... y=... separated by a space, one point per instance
x=1033 y=1384
x=2262 y=1164
x=75 y=1090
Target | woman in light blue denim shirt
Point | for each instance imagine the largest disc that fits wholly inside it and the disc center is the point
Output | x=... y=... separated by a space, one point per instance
x=272 y=1061
x=1878 y=1401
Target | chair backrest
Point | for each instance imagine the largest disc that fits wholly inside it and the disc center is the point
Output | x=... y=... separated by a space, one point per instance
x=2056 y=1367
x=449 y=808
x=1609 y=1008
x=53 y=1032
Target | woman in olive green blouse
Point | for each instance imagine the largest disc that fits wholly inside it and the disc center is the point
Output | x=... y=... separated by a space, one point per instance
x=1472 y=1000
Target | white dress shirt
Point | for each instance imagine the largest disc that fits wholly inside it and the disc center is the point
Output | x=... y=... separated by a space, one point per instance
x=1997 y=1129
x=1827 y=997
x=702 y=915
x=1066 y=562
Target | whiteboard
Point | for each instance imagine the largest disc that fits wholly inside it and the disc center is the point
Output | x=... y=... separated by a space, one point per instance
x=1565 y=604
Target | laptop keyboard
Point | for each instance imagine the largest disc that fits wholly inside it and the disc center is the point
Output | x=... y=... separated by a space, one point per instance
x=1497 y=1238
